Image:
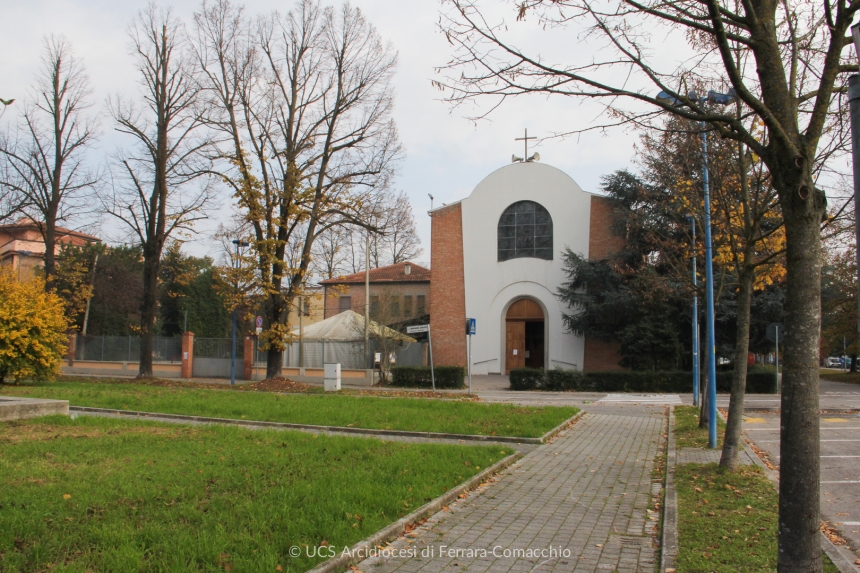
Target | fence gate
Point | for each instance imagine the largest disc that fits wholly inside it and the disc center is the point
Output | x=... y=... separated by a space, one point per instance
x=212 y=357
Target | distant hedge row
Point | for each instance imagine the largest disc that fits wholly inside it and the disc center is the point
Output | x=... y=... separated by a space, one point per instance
x=758 y=382
x=419 y=376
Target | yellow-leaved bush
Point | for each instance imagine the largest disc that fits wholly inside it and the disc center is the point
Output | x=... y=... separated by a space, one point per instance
x=32 y=329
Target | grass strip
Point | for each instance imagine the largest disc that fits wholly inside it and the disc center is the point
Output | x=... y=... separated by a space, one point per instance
x=687 y=431
x=409 y=414
x=839 y=376
x=727 y=522
x=104 y=494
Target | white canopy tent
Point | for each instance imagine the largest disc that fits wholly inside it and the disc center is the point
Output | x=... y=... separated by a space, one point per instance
x=348 y=326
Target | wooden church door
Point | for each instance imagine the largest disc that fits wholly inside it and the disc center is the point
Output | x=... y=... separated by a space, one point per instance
x=516 y=345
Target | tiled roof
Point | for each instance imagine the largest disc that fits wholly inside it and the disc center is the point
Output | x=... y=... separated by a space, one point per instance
x=25 y=223
x=395 y=273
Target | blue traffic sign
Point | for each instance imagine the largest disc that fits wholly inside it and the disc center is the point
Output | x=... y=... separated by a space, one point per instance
x=471 y=326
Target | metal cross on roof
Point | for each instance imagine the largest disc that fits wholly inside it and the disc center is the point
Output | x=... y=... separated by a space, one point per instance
x=526 y=141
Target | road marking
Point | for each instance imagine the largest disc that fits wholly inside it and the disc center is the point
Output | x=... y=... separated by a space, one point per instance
x=840 y=456
x=849 y=523
x=833 y=420
x=646 y=399
x=755 y=420
x=777 y=441
x=845 y=481
x=822 y=429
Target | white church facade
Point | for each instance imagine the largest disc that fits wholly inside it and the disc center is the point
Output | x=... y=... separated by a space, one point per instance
x=497 y=257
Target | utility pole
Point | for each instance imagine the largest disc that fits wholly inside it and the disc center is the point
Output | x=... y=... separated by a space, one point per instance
x=90 y=298
x=367 y=302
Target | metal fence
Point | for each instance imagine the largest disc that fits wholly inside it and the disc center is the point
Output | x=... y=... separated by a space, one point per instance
x=126 y=348
x=349 y=354
x=218 y=347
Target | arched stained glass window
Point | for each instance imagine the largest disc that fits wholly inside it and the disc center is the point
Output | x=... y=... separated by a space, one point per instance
x=525 y=230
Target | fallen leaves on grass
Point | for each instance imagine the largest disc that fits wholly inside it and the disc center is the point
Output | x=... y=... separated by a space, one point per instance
x=276 y=385
x=29 y=431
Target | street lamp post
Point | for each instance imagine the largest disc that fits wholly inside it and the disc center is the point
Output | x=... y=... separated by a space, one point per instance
x=854 y=112
x=709 y=295
x=692 y=221
x=238 y=244
x=721 y=99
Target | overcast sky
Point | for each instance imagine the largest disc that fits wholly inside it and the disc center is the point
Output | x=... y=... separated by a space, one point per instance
x=446 y=155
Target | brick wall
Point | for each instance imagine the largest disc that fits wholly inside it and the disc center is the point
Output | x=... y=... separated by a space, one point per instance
x=356 y=292
x=602 y=243
x=447 y=289
x=601 y=356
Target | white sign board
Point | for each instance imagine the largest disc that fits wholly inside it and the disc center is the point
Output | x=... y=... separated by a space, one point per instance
x=417 y=329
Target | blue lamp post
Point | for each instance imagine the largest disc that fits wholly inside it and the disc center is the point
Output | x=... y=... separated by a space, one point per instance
x=238 y=244
x=695 y=344
x=721 y=99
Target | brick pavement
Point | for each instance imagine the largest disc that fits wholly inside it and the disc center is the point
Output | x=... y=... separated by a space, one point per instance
x=581 y=500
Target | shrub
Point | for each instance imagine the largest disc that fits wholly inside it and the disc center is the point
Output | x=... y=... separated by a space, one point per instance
x=526 y=378
x=420 y=376
x=32 y=329
x=559 y=379
x=758 y=382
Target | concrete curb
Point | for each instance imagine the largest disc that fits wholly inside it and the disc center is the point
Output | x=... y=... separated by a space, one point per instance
x=398 y=527
x=336 y=429
x=669 y=537
x=842 y=558
x=563 y=426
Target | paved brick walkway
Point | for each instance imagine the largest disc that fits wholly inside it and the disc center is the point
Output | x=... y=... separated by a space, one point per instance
x=581 y=502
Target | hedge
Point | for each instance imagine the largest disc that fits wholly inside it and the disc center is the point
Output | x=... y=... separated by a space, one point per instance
x=419 y=376
x=758 y=382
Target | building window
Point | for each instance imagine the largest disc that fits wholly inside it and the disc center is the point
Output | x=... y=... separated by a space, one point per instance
x=407 y=305
x=374 y=305
x=420 y=301
x=525 y=230
x=344 y=303
x=395 y=306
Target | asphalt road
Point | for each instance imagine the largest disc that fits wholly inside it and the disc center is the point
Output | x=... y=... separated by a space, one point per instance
x=840 y=456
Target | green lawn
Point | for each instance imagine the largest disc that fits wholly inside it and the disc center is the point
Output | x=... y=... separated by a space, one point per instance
x=687 y=431
x=727 y=521
x=105 y=494
x=837 y=375
x=412 y=414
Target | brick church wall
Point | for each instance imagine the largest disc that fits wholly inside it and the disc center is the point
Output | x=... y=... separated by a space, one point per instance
x=602 y=243
x=448 y=288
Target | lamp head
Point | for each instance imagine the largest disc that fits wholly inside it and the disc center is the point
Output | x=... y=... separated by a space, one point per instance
x=667 y=98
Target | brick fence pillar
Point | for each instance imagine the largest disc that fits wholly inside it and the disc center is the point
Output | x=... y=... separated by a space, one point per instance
x=248 y=366
x=187 y=354
x=70 y=351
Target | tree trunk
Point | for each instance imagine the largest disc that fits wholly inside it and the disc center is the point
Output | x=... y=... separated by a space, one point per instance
x=731 y=442
x=853 y=363
x=148 y=311
x=799 y=487
x=275 y=357
x=50 y=236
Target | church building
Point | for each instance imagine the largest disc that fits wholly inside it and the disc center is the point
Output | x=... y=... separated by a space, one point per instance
x=497 y=258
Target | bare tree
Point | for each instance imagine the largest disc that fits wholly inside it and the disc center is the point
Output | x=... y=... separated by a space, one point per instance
x=305 y=107
x=331 y=252
x=399 y=237
x=43 y=161
x=783 y=62
x=158 y=190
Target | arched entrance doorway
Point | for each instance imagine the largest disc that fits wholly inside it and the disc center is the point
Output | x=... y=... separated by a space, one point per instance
x=524 y=335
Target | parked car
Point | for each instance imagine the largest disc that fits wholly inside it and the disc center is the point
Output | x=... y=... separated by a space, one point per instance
x=833 y=362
